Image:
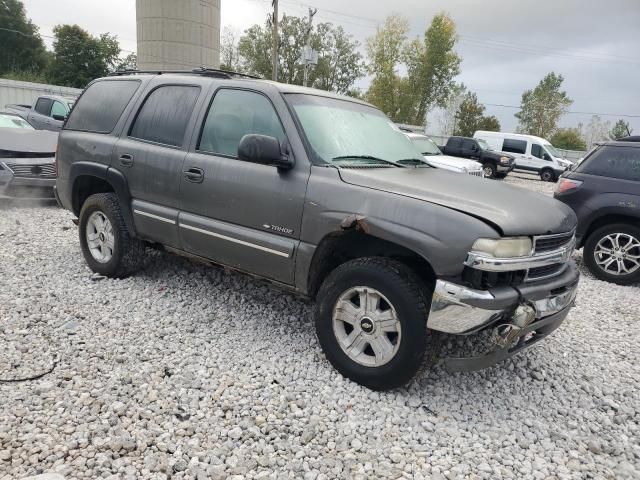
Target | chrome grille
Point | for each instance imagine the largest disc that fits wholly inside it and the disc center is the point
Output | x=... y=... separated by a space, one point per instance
x=549 y=243
x=44 y=170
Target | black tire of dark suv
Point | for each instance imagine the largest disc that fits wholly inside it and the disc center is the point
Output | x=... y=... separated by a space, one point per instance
x=107 y=245
x=616 y=242
x=402 y=297
x=489 y=169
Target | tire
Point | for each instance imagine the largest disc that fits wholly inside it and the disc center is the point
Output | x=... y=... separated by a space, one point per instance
x=548 y=175
x=600 y=241
x=405 y=301
x=489 y=170
x=126 y=252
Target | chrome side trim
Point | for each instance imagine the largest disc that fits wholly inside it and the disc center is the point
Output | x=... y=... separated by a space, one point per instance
x=491 y=264
x=450 y=312
x=155 y=217
x=235 y=240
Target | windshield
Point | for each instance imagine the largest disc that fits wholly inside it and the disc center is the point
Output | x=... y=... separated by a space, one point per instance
x=552 y=150
x=426 y=146
x=483 y=144
x=11 y=121
x=340 y=131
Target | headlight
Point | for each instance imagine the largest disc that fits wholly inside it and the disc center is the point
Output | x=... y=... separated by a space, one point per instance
x=504 y=247
x=504 y=159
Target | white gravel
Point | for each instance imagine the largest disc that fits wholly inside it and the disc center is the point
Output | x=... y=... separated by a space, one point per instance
x=186 y=371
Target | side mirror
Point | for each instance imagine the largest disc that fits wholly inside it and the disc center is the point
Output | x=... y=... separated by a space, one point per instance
x=264 y=150
x=60 y=118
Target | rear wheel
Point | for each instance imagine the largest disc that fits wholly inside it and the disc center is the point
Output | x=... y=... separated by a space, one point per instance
x=107 y=246
x=489 y=170
x=547 y=175
x=370 y=317
x=612 y=253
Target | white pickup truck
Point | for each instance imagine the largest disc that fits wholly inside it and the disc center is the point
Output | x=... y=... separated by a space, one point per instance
x=437 y=159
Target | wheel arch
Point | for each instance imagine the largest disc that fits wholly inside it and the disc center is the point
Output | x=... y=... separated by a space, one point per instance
x=608 y=218
x=338 y=248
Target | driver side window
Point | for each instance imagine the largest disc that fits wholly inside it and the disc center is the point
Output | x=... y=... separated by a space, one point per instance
x=234 y=114
x=538 y=152
x=58 y=109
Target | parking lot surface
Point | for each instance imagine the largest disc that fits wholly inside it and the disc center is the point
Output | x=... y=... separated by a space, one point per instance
x=188 y=371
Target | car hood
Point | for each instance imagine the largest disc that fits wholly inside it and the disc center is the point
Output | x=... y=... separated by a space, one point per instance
x=28 y=141
x=453 y=162
x=511 y=210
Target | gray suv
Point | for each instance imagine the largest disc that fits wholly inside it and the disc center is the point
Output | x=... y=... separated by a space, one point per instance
x=323 y=196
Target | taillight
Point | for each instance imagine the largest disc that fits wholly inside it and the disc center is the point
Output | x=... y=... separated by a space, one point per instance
x=567 y=184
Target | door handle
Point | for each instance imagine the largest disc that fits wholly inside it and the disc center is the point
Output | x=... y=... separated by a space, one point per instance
x=126 y=160
x=194 y=175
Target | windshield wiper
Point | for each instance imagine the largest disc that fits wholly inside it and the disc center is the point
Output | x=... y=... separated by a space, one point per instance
x=412 y=161
x=368 y=157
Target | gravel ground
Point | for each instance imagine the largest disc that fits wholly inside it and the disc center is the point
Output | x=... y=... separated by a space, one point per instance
x=185 y=371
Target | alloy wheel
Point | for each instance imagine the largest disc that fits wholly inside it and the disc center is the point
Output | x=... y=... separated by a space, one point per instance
x=100 y=237
x=618 y=254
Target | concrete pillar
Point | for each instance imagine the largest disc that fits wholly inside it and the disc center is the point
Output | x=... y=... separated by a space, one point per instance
x=178 y=34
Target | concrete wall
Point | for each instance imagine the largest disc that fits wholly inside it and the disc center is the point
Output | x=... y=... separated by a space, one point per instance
x=13 y=91
x=178 y=34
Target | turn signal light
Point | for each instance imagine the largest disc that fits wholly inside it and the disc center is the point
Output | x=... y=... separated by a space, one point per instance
x=566 y=185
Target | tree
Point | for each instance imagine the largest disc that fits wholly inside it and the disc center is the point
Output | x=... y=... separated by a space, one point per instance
x=229 y=50
x=470 y=117
x=22 y=49
x=385 y=50
x=568 y=139
x=620 y=129
x=339 y=62
x=447 y=116
x=431 y=66
x=597 y=130
x=543 y=106
x=130 y=62
x=80 y=57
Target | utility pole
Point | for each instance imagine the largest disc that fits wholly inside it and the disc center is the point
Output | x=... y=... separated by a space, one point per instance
x=308 y=55
x=274 y=51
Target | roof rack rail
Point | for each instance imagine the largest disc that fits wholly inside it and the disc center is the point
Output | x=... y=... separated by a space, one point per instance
x=210 y=72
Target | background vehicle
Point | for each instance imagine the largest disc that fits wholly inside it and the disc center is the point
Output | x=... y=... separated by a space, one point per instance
x=532 y=154
x=437 y=159
x=494 y=164
x=604 y=191
x=48 y=112
x=318 y=193
x=27 y=159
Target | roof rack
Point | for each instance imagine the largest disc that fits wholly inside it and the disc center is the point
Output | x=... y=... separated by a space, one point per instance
x=208 y=72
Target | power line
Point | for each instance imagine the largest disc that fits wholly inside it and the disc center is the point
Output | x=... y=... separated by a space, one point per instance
x=572 y=112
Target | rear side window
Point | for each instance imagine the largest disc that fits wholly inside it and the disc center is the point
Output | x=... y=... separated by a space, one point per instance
x=101 y=106
x=164 y=115
x=43 y=106
x=514 y=146
x=454 y=142
x=234 y=114
x=614 y=162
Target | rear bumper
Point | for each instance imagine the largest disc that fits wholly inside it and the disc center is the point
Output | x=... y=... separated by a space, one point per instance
x=521 y=315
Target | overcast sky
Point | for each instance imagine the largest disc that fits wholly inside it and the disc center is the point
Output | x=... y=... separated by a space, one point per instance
x=507 y=46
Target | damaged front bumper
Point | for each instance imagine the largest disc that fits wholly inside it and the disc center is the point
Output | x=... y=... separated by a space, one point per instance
x=520 y=316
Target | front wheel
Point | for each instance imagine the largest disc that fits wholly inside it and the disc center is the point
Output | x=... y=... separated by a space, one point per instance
x=489 y=170
x=107 y=246
x=612 y=253
x=370 y=318
x=548 y=175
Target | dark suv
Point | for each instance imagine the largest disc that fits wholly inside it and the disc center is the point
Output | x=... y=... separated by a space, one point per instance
x=324 y=196
x=604 y=191
x=494 y=164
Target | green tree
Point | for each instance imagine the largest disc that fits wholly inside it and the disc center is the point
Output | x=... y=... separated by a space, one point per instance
x=229 y=51
x=80 y=57
x=620 y=129
x=21 y=47
x=130 y=62
x=568 y=139
x=470 y=117
x=431 y=65
x=339 y=62
x=543 y=106
x=385 y=52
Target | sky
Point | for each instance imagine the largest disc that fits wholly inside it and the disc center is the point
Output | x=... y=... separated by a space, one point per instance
x=507 y=46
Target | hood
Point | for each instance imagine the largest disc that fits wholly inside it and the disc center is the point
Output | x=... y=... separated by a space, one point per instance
x=28 y=141
x=511 y=210
x=457 y=162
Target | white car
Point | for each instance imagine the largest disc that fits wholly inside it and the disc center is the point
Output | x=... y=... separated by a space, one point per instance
x=437 y=159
